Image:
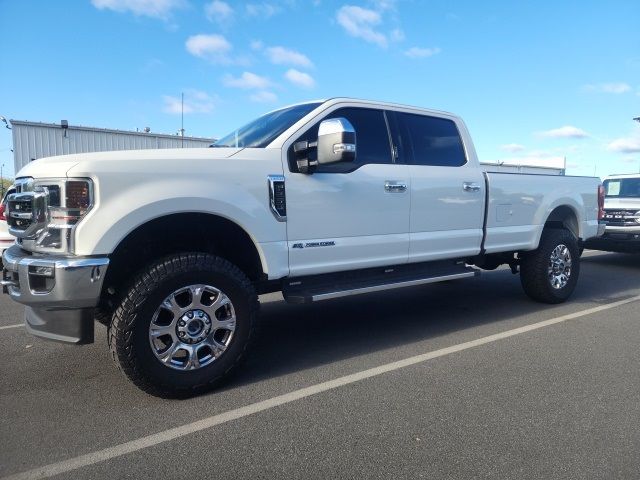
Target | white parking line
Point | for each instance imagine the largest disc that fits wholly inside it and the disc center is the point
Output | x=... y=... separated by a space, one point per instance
x=17 y=325
x=173 y=433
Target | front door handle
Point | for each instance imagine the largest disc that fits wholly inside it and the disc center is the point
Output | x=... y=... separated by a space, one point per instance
x=470 y=187
x=395 y=187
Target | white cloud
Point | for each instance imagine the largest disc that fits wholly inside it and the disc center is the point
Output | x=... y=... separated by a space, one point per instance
x=214 y=48
x=630 y=144
x=382 y=5
x=417 y=52
x=512 y=147
x=263 y=10
x=195 y=101
x=360 y=22
x=263 y=97
x=615 y=87
x=567 y=131
x=397 y=35
x=150 y=8
x=285 y=56
x=300 y=79
x=630 y=159
x=247 y=81
x=218 y=11
x=257 y=45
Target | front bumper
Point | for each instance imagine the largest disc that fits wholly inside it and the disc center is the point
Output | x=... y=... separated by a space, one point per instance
x=60 y=294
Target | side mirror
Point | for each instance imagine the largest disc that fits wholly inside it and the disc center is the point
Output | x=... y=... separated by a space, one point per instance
x=336 y=141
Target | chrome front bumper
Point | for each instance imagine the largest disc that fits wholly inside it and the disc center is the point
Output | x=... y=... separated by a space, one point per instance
x=60 y=294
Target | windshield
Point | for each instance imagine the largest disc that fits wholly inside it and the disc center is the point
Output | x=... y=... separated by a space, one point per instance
x=622 y=187
x=262 y=131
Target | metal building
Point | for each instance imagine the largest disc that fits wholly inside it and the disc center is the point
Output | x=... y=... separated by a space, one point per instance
x=33 y=140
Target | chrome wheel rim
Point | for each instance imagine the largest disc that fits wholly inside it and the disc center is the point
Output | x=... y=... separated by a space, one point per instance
x=192 y=327
x=559 y=270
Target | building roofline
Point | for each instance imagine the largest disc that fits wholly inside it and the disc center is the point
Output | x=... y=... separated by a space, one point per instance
x=107 y=130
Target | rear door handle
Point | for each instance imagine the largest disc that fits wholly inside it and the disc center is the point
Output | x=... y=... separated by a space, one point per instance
x=395 y=187
x=470 y=187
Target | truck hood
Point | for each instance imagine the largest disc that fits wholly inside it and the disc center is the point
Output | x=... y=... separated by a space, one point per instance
x=623 y=203
x=70 y=165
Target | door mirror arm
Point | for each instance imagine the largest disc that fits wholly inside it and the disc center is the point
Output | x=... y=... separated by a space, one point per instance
x=301 y=151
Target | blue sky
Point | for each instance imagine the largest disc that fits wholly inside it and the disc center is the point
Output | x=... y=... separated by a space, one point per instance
x=535 y=81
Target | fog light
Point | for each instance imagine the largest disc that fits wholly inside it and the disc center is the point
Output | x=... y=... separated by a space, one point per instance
x=42 y=271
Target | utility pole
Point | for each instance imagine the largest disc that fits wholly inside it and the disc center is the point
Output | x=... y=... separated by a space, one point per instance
x=182 y=118
x=2 y=181
x=637 y=119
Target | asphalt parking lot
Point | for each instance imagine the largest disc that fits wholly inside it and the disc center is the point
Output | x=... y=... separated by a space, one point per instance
x=485 y=391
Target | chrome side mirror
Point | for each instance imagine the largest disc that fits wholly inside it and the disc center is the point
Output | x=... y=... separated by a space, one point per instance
x=336 y=141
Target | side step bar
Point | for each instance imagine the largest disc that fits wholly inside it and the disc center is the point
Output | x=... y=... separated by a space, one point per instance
x=315 y=289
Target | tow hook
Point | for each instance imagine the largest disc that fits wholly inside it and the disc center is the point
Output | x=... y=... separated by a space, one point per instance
x=514 y=267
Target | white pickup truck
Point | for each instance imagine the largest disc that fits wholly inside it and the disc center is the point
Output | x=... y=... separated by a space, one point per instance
x=171 y=248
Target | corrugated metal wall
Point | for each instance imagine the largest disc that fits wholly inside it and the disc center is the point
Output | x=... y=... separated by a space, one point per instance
x=38 y=140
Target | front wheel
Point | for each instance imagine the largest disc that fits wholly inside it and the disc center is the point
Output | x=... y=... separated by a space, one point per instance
x=550 y=273
x=184 y=325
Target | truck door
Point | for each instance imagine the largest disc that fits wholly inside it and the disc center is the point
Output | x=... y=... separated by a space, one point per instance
x=348 y=215
x=447 y=192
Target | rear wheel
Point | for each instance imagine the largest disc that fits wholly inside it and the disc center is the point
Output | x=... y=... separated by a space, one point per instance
x=184 y=324
x=550 y=273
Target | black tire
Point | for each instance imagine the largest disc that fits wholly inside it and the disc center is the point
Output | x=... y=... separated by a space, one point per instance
x=128 y=335
x=534 y=267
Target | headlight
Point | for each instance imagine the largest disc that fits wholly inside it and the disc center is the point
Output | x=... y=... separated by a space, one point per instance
x=45 y=212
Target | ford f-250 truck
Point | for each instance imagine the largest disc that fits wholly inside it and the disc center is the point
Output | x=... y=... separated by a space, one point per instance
x=171 y=248
x=621 y=215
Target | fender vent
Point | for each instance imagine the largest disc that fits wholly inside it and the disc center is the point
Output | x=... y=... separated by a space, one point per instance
x=277 y=197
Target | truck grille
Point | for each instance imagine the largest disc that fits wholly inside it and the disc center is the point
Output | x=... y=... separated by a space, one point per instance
x=621 y=218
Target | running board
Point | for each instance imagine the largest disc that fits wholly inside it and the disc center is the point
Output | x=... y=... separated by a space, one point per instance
x=317 y=289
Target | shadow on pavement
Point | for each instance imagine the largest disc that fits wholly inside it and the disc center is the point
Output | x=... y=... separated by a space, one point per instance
x=296 y=337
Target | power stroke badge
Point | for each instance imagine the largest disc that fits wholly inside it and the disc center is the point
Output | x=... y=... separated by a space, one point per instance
x=314 y=244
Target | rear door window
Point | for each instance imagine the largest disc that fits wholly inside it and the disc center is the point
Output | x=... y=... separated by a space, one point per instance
x=430 y=140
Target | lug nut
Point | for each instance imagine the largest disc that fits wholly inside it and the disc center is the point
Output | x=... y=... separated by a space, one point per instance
x=190 y=314
x=182 y=323
x=181 y=334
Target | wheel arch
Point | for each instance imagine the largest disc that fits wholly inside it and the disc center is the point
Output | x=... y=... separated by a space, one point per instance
x=183 y=232
x=564 y=216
